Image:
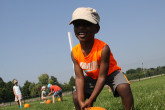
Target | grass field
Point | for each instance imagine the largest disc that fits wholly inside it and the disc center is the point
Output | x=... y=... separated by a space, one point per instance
x=148 y=94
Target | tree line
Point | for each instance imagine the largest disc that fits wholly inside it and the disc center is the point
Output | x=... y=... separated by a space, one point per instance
x=31 y=89
x=143 y=72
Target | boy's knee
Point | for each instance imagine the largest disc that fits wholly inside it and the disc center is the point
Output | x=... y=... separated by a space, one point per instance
x=124 y=89
x=75 y=95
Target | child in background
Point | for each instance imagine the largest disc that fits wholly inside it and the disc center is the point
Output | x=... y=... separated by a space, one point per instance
x=95 y=58
x=109 y=89
x=56 y=91
x=43 y=94
x=17 y=93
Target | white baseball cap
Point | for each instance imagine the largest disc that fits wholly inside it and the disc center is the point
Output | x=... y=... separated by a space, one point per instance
x=15 y=81
x=86 y=13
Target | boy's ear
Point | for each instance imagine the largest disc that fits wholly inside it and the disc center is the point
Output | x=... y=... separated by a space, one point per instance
x=97 y=28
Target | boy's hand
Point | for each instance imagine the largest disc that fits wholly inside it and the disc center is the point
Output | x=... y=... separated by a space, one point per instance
x=81 y=105
x=87 y=104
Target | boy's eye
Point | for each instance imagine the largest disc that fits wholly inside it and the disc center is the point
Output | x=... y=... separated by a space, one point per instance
x=82 y=23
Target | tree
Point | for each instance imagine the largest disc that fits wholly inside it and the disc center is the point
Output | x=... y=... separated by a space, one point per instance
x=138 y=70
x=32 y=90
x=43 y=79
x=38 y=89
x=6 y=91
x=25 y=89
x=53 y=80
x=9 y=93
x=2 y=90
x=131 y=71
x=3 y=94
x=2 y=83
x=66 y=87
x=72 y=81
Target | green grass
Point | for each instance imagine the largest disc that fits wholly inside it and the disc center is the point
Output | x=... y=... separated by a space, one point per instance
x=148 y=94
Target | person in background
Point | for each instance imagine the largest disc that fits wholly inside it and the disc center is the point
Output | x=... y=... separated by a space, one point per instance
x=56 y=91
x=94 y=57
x=109 y=89
x=43 y=94
x=17 y=93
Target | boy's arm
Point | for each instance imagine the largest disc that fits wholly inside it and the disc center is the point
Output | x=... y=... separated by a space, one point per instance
x=79 y=81
x=51 y=92
x=104 y=67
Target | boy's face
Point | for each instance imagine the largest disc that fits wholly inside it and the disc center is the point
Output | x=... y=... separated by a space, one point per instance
x=85 y=30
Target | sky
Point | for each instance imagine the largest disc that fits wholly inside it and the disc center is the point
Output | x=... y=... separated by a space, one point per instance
x=34 y=35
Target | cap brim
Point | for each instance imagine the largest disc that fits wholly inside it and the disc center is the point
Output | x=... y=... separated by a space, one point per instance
x=83 y=18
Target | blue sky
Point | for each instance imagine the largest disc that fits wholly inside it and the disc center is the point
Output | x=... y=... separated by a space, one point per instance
x=33 y=35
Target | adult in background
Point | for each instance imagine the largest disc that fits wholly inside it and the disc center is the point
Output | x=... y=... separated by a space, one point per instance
x=56 y=91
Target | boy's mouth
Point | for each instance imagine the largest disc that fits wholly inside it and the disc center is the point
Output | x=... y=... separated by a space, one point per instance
x=81 y=34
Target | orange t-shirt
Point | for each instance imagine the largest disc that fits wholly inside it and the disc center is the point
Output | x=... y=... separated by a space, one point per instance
x=91 y=63
x=55 y=88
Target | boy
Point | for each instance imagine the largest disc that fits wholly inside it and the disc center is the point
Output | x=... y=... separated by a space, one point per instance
x=17 y=93
x=93 y=57
x=56 y=91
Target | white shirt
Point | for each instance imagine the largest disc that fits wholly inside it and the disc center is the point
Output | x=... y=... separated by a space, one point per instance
x=17 y=90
